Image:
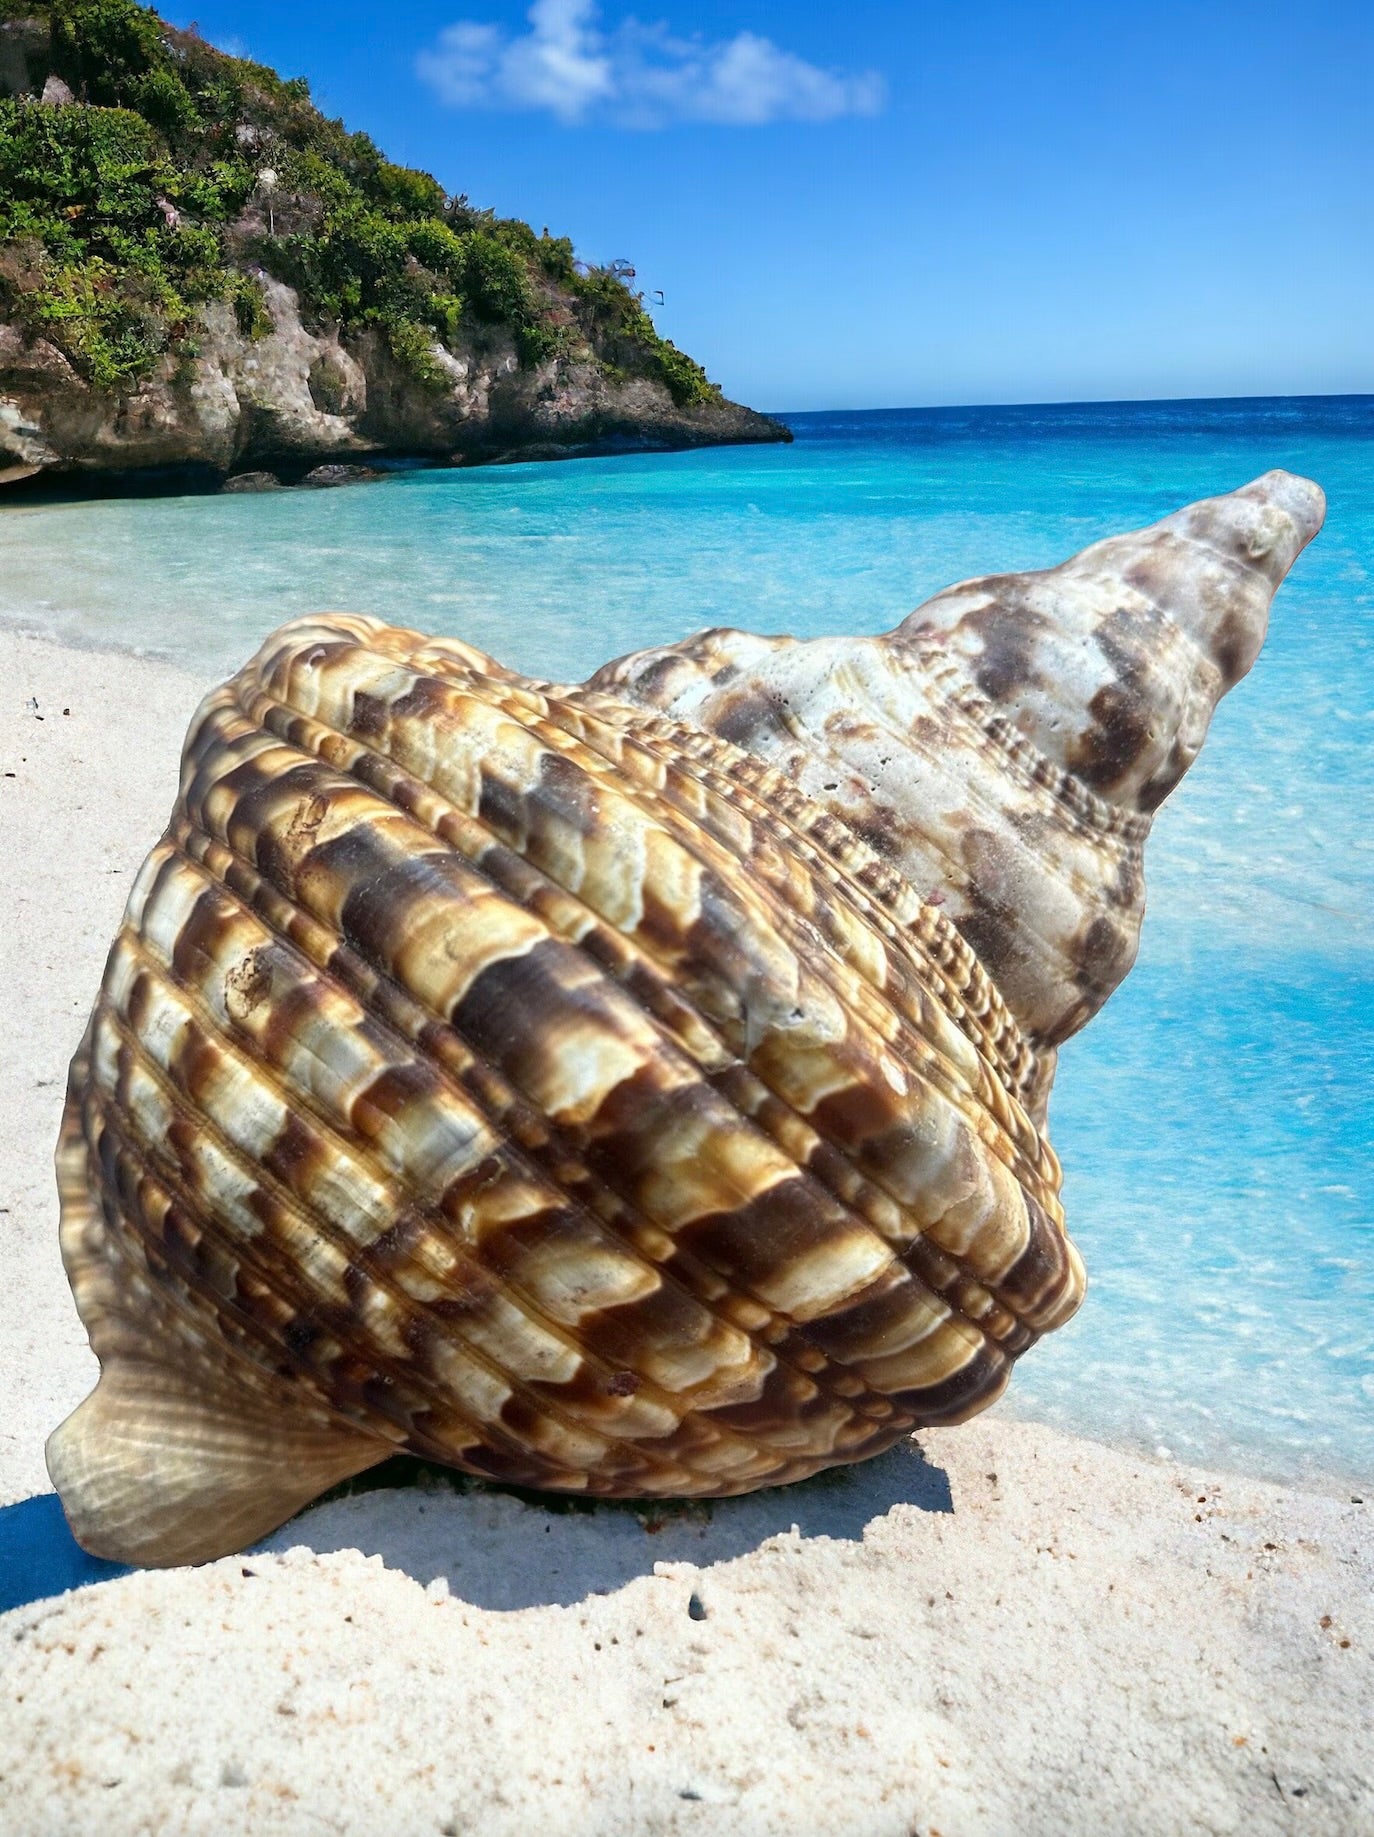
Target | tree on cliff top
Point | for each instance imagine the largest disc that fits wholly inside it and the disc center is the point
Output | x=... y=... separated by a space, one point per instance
x=144 y=174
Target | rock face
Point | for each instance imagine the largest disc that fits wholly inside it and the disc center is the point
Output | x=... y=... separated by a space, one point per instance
x=296 y=398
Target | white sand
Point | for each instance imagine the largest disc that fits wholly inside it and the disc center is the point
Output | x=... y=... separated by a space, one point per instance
x=91 y=792
x=1023 y=1633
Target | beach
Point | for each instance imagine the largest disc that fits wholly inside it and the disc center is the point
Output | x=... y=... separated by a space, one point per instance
x=1011 y=1629
x=658 y=974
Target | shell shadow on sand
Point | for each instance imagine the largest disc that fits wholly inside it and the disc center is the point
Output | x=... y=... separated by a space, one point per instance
x=502 y=1548
x=39 y=1557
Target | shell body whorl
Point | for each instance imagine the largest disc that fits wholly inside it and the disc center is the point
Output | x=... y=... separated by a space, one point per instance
x=544 y=1088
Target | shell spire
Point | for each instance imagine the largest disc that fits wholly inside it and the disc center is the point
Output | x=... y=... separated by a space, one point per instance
x=1007 y=745
x=1113 y=663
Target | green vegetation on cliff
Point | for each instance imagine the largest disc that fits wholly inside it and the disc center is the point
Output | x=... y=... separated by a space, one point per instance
x=160 y=174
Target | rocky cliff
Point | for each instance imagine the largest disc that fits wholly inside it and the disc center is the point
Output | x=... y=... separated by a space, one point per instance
x=200 y=272
x=294 y=398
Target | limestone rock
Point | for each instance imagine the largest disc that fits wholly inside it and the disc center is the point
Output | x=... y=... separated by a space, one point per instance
x=304 y=396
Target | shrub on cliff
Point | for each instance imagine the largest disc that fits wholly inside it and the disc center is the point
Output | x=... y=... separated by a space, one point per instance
x=176 y=174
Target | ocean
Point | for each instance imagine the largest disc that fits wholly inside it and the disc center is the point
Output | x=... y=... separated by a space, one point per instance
x=1215 y=1121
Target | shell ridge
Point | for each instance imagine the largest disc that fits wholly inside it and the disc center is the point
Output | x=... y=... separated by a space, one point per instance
x=927 y=1061
x=151 y=1161
x=975 y=1320
x=871 y=886
x=413 y=1375
x=863 y=1007
x=1038 y=773
x=769 y=1352
x=501 y=689
x=401 y=771
x=803 y=928
x=361 y=1256
x=1084 y=809
x=819 y=858
x=967 y=1274
x=143 y=1150
x=130 y=1248
x=353 y=1251
x=964 y=703
x=548 y=701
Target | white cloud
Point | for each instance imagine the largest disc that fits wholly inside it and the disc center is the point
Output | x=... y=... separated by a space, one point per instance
x=636 y=75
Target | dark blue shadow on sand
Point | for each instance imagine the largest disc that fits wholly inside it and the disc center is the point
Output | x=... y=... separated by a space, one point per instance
x=40 y=1557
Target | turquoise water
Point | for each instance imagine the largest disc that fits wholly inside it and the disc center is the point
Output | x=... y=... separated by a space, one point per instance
x=1215 y=1122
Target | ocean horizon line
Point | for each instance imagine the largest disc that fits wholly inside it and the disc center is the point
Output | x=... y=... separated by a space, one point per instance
x=1075 y=402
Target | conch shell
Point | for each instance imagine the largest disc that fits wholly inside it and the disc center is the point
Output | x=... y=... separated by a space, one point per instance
x=628 y=1089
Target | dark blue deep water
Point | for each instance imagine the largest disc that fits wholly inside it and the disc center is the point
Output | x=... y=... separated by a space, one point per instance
x=1215 y=1122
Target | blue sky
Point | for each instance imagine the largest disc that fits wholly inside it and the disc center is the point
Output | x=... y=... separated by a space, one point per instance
x=879 y=204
